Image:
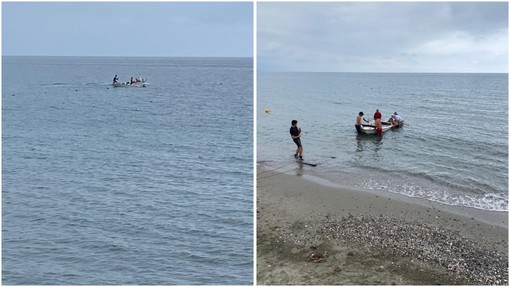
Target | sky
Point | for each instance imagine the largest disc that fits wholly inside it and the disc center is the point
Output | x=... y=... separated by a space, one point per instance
x=435 y=37
x=166 y=29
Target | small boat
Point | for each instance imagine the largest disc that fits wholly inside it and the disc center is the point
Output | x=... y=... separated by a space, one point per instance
x=369 y=129
x=140 y=84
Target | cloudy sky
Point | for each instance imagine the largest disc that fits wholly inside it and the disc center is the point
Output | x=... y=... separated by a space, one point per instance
x=383 y=37
x=128 y=29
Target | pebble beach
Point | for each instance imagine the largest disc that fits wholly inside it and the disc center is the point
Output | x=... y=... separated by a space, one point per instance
x=314 y=233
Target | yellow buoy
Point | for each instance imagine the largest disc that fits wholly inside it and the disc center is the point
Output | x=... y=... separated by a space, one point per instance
x=266 y=110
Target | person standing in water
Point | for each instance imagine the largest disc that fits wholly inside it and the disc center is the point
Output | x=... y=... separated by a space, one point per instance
x=378 y=123
x=295 y=133
x=377 y=114
x=358 y=122
x=396 y=120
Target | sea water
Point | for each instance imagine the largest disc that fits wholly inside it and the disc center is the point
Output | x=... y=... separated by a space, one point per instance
x=106 y=185
x=453 y=148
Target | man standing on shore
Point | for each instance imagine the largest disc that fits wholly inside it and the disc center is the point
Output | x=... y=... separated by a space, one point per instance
x=295 y=133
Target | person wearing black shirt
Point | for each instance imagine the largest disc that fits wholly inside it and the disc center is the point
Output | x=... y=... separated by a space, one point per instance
x=295 y=133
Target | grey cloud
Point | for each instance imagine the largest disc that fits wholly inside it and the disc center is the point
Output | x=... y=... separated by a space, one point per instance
x=378 y=36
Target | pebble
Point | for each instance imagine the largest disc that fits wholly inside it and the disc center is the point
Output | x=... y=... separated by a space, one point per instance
x=418 y=241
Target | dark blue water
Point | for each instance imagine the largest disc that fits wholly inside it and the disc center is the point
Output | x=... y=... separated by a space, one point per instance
x=453 y=148
x=106 y=185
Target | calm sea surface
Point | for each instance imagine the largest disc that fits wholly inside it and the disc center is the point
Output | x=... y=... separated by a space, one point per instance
x=453 y=148
x=106 y=185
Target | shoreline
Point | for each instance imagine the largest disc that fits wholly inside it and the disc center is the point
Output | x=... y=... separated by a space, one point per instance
x=497 y=218
x=368 y=237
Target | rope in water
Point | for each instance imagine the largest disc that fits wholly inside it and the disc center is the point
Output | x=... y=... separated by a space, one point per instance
x=284 y=171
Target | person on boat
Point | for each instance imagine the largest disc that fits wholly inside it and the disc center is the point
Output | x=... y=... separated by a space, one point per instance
x=295 y=133
x=396 y=120
x=358 y=122
x=378 y=123
x=131 y=81
x=115 y=79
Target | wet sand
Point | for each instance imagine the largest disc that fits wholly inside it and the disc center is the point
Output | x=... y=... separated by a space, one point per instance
x=311 y=233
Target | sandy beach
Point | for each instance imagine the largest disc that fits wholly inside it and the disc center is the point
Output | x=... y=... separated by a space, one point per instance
x=311 y=232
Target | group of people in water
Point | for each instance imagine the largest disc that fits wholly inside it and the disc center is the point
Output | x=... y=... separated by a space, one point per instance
x=130 y=82
x=395 y=120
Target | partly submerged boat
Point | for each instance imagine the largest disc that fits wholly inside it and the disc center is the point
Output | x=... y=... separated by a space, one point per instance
x=139 y=84
x=369 y=129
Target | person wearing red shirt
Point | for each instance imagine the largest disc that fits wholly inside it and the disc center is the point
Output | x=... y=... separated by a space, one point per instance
x=377 y=115
x=378 y=124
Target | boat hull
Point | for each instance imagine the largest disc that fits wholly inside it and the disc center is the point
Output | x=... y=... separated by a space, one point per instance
x=370 y=129
x=137 y=85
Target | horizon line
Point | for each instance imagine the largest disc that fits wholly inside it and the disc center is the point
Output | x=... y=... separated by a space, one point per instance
x=131 y=56
x=379 y=72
